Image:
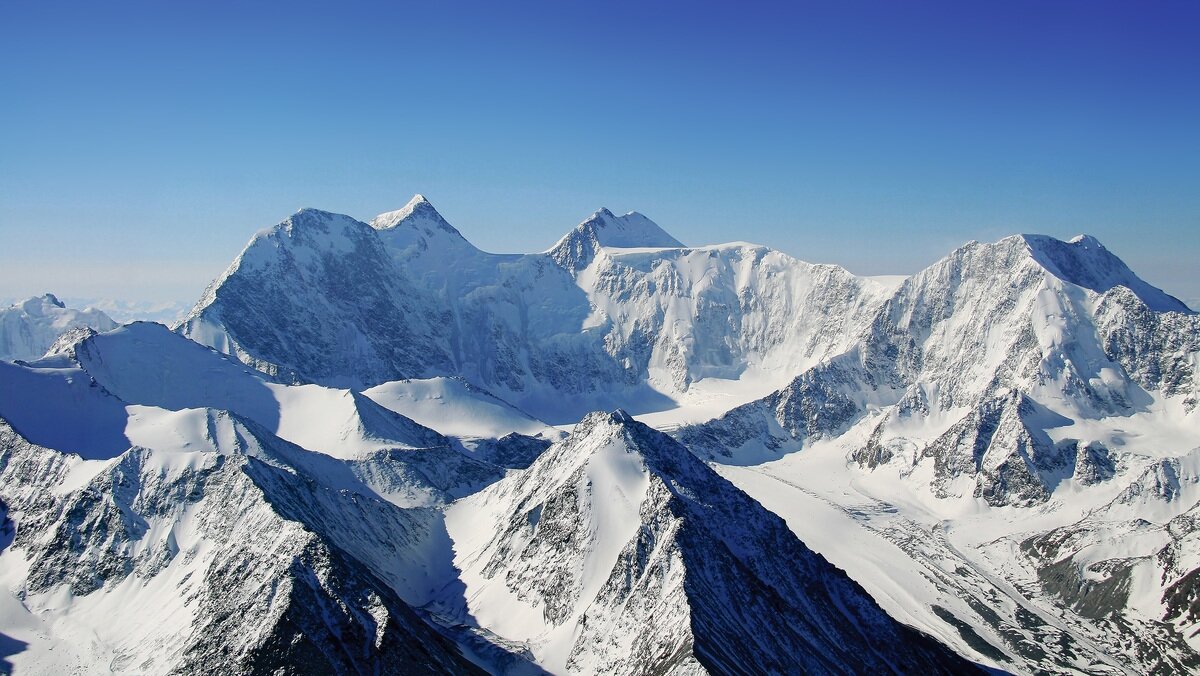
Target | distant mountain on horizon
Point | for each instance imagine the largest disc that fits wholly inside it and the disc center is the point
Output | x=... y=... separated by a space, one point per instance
x=29 y=327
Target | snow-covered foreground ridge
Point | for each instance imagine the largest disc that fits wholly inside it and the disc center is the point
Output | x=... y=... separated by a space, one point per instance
x=351 y=455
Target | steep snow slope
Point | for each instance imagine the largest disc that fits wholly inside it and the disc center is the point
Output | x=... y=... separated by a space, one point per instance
x=633 y=327
x=63 y=408
x=418 y=227
x=316 y=299
x=28 y=328
x=145 y=363
x=231 y=552
x=1085 y=262
x=725 y=311
x=591 y=323
x=98 y=394
x=1000 y=449
x=973 y=360
x=998 y=405
x=578 y=248
x=618 y=551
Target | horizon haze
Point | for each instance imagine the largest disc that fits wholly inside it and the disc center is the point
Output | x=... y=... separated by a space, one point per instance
x=144 y=143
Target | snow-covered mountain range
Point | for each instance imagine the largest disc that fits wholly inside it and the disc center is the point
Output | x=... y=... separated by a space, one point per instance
x=373 y=444
x=584 y=326
x=618 y=551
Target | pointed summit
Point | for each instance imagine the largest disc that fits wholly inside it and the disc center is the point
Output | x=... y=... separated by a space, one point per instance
x=578 y=248
x=618 y=551
x=419 y=212
x=418 y=228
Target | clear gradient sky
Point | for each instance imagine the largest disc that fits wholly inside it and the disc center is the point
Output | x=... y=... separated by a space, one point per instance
x=141 y=144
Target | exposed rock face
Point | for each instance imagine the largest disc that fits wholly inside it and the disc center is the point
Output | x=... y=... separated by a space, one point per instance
x=317 y=299
x=1130 y=576
x=514 y=451
x=1010 y=339
x=262 y=496
x=820 y=403
x=1158 y=350
x=1011 y=461
x=252 y=562
x=637 y=558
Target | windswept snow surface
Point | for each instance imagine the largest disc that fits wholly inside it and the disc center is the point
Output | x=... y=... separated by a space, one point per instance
x=456 y=408
x=618 y=551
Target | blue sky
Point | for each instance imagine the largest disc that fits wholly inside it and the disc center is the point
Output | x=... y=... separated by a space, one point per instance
x=141 y=144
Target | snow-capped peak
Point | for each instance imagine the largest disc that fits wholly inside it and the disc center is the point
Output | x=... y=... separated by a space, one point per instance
x=617 y=551
x=631 y=230
x=417 y=227
x=634 y=437
x=1085 y=262
x=604 y=229
x=38 y=305
x=53 y=300
x=1086 y=240
x=315 y=230
x=418 y=212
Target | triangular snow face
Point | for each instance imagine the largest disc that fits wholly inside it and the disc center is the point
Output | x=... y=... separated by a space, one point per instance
x=244 y=551
x=418 y=224
x=577 y=248
x=1083 y=261
x=618 y=551
x=418 y=211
